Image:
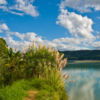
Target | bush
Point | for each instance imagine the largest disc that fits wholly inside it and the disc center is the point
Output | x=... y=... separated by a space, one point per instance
x=47 y=95
x=12 y=67
x=13 y=92
x=42 y=63
x=37 y=59
x=18 y=90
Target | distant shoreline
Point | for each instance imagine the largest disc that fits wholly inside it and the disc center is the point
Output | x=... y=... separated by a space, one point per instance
x=83 y=64
x=84 y=61
x=91 y=55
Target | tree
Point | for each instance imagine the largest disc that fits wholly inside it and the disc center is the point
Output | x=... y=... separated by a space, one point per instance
x=13 y=66
x=3 y=48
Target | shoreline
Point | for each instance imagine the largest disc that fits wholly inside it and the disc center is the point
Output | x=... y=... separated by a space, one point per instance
x=84 y=61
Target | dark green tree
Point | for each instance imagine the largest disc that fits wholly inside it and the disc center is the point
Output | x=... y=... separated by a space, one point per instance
x=3 y=47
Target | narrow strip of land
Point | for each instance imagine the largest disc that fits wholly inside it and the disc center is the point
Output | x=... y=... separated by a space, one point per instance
x=86 y=61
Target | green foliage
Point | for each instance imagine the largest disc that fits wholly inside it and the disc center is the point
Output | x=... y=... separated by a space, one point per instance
x=12 y=67
x=84 y=65
x=54 y=78
x=41 y=65
x=82 y=55
x=36 y=59
x=13 y=92
x=3 y=47
x=18 y=90
x=47 y=95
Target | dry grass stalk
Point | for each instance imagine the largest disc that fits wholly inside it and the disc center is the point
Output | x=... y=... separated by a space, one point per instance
x=33 y=44
x=24 y=49
x=16 y=49
x=49 y=49
x=40 y=45
x=30 y=47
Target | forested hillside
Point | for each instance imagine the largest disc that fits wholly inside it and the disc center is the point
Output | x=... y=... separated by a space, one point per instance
x=82 y=55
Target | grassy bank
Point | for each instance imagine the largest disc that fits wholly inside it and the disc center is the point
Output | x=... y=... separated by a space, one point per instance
x=19 y=90
x=37 y=68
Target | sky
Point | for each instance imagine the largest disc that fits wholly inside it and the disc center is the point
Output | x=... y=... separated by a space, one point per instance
x=62 y=24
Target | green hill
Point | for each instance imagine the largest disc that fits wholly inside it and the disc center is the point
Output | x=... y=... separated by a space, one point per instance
x=82 y=55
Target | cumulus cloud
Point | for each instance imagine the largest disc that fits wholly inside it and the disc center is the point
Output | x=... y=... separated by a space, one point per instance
x=80 y=28
x=21 y=7
x=30 y=36
x=3 y=27
x=77 y=25
x=71 y=43
x=81 y=5
x=26 y=7
x=3 y=2
x=17 y=44
x=26 y=39
x=96 y=45
x=67 y=40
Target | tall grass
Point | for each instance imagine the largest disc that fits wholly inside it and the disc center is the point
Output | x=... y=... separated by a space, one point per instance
x=43 y=63
x=19 y=90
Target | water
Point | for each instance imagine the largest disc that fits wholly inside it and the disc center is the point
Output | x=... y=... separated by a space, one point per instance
x=83 y=82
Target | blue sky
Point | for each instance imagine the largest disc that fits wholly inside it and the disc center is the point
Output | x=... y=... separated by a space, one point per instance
x=63 y=24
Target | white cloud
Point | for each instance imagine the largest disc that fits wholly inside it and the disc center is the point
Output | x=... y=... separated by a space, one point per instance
x=17 y=44
x=77 y=25
x=80 y=27
x=67 y=40
x=30 y=36
x=81 y=5
x=17 y=34
x=27 y=38
x=69 y=43
x=96 y=44
x=22 y=7
x=64 y=43
x=3 y=2
x=26 y=7
x=3 y=27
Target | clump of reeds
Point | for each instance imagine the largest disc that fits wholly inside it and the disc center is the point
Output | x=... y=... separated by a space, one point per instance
x=45 y=57
x=36 y=61
x=59 y=58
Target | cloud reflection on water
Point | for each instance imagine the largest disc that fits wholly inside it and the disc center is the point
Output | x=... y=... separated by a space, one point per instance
x=85 y=85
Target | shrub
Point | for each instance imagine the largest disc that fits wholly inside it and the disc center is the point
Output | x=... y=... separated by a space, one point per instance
x=12 y=66
x=47 y=95
x=13 y=92
x=43 y=63
x=3 y=48
x=39 y=58
x=46 y=63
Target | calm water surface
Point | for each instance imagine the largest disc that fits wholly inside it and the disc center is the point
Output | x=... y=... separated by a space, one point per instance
x=83 y=83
